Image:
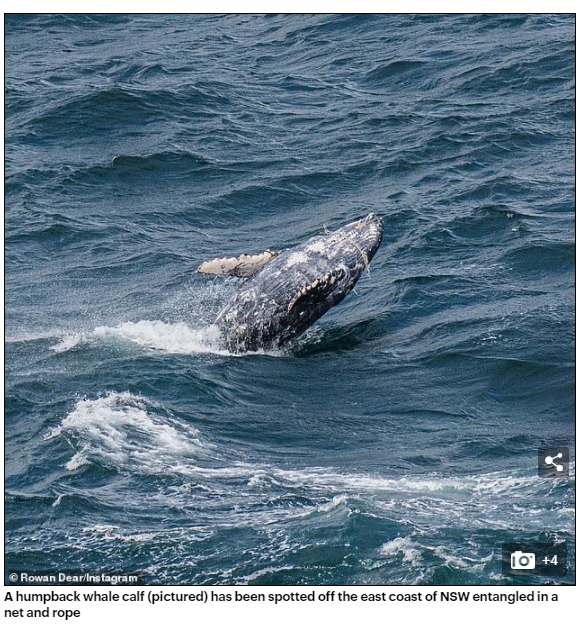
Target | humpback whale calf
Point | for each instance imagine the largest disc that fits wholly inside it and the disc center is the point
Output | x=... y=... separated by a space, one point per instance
x=285 y=292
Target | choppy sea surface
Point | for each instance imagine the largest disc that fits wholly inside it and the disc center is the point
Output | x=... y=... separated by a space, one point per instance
x=395 y=442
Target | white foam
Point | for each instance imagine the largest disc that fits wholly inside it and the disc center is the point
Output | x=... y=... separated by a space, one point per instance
x=404 y=546
x=268 y=570
x=338 y=500
x=78 y=460
x=475 y=563
x=69 y=342
x=171 y=338
x=125 y=431
x=177 y=338
x=434 y=484
x=114 y=533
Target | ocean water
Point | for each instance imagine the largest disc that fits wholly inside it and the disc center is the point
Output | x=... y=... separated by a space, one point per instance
x=395 y=442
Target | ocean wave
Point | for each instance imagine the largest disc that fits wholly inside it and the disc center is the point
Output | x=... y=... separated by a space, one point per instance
x=170 y=338
x=226 y=491
x=131 y=168
x=134 y=433
x=124 y=430
x=406 y=547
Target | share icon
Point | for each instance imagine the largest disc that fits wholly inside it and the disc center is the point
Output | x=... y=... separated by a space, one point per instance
x=553 y=461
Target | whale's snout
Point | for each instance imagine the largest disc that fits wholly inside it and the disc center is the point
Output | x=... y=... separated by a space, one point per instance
x=375 y=223
x=366 y=234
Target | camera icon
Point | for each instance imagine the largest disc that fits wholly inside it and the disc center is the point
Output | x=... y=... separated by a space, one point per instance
x=521 y=560
x=548 y=559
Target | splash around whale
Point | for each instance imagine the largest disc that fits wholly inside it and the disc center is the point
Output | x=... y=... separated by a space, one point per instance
x=285 y=292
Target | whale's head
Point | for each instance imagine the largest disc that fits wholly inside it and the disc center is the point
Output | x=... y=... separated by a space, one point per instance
x=338 y=258
x=324 y=270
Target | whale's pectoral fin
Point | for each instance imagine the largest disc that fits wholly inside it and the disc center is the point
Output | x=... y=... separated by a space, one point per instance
x=243 y=266
x=316 y=290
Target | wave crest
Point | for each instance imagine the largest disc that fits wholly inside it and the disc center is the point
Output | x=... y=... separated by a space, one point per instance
x=127 y=431
x=171 y=338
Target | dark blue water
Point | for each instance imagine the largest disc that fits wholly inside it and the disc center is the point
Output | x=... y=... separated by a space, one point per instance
x=396 y=441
